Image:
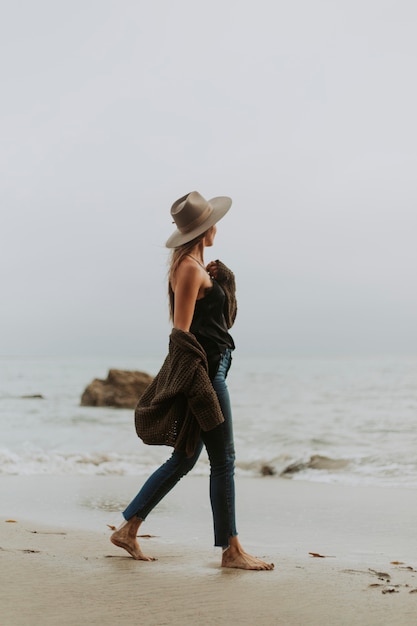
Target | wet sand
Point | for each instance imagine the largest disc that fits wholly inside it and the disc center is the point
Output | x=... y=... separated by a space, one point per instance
x=343 y=555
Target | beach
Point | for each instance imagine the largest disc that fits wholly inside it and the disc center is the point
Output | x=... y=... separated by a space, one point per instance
x=343 y=555
x=337 y=516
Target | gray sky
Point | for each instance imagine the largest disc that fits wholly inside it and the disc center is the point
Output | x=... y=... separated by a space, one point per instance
x=304 y=112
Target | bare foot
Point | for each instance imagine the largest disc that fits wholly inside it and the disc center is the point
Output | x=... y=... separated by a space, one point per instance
x=125 y=537
x=235 y=556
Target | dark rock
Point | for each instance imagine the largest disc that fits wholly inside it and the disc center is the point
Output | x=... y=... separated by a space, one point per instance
x=121 y=389
x=267 y=470
x=316 y=462
x=37 y=396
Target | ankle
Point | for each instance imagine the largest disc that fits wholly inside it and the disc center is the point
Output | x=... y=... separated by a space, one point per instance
x=133 y=524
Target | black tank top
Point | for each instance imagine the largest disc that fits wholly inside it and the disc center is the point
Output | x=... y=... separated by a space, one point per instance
x=209 y=326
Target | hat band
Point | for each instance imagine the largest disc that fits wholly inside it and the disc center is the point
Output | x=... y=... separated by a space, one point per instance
x=198 y=221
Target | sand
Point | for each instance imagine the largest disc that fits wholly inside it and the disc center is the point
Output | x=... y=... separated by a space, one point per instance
x=59 y=568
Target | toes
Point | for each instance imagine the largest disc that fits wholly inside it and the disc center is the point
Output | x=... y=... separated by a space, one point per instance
x=261 y=565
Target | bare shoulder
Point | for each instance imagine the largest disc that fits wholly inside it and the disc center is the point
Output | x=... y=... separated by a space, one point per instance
x=187 y=273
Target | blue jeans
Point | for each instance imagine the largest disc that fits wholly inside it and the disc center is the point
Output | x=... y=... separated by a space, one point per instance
x=221 y=452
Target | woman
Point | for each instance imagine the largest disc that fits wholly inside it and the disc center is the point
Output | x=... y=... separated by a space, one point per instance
x=196 y=369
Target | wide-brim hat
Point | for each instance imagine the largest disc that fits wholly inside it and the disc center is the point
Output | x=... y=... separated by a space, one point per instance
x=193 y=215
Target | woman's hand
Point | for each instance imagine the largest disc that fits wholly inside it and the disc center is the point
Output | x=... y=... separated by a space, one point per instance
x=212 y=269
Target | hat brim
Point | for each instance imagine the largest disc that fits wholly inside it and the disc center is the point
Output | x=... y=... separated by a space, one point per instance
x=220 y=204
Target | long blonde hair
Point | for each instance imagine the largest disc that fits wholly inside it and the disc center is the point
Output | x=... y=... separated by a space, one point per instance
x=177 y=256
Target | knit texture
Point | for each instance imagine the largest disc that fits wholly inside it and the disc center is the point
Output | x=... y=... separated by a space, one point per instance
x=180 y=401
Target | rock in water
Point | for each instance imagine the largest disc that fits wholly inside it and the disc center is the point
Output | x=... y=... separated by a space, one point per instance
x=33 y=396
x=121 y=389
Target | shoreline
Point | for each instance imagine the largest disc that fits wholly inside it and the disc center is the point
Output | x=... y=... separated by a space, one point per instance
x=59 y=566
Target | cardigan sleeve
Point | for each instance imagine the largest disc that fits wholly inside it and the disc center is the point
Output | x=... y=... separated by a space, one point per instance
x=226 y=280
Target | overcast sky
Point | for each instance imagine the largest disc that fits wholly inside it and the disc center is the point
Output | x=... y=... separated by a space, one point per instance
x=303 y=111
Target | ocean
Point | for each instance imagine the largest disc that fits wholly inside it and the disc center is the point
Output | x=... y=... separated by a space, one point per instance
x=339 y=420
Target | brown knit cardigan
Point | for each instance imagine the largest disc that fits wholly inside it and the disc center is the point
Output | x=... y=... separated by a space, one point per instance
x=181 y=401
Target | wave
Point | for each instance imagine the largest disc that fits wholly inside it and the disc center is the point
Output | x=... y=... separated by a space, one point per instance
x=40 y=462
x=37 y=461
x=316 y=462
x=314 y=467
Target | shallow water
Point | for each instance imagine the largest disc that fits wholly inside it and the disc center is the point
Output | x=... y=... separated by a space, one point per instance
x=349 y=420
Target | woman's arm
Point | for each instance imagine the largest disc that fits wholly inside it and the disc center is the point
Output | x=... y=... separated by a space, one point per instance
x=188 y=281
